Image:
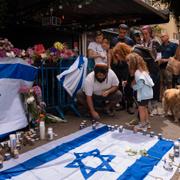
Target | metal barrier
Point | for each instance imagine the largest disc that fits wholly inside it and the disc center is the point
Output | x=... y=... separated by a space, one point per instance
x=53 y=93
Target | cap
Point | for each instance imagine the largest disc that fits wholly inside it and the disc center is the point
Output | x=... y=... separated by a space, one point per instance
x=136 y=32
x=123 y=26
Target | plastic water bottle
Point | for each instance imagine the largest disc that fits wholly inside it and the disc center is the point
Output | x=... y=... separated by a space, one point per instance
x=42 y=130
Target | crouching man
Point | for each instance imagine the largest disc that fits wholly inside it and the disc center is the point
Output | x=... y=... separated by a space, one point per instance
x=100 y=89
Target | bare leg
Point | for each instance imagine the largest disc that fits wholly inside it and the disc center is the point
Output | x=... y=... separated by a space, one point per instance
x=147 y=114
x=142 y=114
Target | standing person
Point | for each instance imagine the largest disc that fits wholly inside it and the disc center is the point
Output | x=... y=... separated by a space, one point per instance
x=143 y=85
x=95 y=49
x=120 y=67
x=106 y=47
x=136 y=37
x=168 y=49
x=123 y=37
x=149 y=41
x=101 y=85
x=154 y=47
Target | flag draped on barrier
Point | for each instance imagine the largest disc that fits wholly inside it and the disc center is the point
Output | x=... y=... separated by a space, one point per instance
x=73 y=78
x=93 y=154
x=14 y=73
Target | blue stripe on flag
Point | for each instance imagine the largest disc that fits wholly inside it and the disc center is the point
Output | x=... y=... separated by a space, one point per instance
x=81 y=61
x=144 y=165
x=18 y=71
x=52 y=154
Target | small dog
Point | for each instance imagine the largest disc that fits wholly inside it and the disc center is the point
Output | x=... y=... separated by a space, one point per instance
x=171 y=102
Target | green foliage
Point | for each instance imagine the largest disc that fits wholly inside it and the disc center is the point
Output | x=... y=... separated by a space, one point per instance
x=173 y=7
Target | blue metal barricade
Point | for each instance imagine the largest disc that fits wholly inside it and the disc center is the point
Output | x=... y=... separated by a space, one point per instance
x=50 y=87
x=53 y=92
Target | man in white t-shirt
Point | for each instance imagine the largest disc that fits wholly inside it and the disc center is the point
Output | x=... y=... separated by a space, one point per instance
x=100 y=88
x=96 y=51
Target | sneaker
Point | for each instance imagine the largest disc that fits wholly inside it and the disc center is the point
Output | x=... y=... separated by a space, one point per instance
x=148 y=125
x=133 y=122
x=140 y=127
x=153 y=112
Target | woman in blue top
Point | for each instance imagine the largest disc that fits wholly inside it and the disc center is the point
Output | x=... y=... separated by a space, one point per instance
x=143 y=84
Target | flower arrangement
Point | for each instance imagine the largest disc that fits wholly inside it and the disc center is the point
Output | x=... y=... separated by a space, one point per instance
x=32 y=98
x=37 y=54
x=51 y=55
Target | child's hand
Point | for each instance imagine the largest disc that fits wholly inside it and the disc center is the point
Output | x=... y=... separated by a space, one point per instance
x=124 y=83
x=133 y=83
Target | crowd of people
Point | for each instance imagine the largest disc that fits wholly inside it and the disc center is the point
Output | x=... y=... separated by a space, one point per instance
x=130 y=70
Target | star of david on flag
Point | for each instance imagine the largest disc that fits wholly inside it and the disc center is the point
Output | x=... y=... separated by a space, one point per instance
x=88 y=171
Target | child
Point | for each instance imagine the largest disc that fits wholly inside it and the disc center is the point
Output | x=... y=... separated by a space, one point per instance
x=106 y=47
x=143 y=85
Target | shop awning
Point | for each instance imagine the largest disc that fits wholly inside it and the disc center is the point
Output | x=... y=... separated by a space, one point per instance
x=88 y=14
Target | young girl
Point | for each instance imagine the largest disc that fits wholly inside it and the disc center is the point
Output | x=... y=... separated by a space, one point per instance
x=106 y=47
x=143 y=85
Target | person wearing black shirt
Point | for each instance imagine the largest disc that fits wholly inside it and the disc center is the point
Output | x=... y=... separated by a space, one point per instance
x=120 y=67
x=122 y=37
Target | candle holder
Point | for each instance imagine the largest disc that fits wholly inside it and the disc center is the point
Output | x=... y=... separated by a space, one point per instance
x=168 y=165
x=120 y=129
x=144 y=132
x=152 y=134
x=109 y=127
x=112 y=128
x=7 y=156
x=116 y=127
x=171 y=156
x=93 y=126
x=160 y=136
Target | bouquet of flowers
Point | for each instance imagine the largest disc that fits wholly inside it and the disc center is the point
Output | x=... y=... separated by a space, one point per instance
x=34 y=106
x=37 y=54
x=57 y=52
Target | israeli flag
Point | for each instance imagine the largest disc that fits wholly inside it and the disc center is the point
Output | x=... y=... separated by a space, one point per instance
x=73 y=78
x=14 y=73
x=94 y=155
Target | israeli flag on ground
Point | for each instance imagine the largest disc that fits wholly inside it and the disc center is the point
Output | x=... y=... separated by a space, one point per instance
x=14 y=73
x=94 y=155
x=73 y=78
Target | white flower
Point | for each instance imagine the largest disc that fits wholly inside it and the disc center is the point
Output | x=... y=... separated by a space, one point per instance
x=30 y=100
x=10 y=54
x=43 y=55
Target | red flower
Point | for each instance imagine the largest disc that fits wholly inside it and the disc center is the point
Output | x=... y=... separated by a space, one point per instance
x=39 y=49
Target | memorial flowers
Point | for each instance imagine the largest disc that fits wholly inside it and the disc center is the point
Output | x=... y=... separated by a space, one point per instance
x=34 y=106
x=37 y=54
